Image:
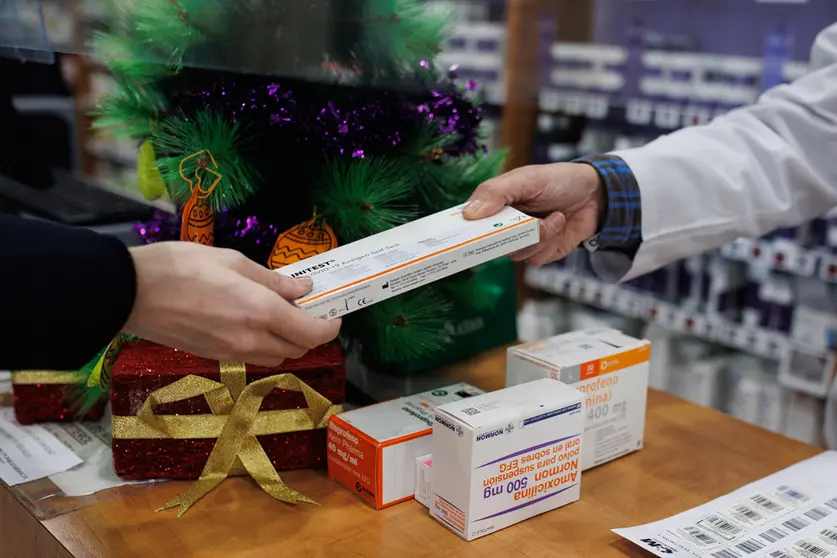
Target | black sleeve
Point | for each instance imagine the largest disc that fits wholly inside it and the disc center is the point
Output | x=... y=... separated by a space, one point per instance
x=64 y=293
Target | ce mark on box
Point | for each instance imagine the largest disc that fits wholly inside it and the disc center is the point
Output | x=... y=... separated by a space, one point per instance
x=355 y=302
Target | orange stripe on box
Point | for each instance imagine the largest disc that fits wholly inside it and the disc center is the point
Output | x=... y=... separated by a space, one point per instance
x=615 y=363
x=407 y=437
x=404 y=499
x=379 y=478
x=411 y=262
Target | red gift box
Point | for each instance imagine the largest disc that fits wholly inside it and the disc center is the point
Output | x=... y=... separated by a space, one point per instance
x=46 y=396
x=189 y=427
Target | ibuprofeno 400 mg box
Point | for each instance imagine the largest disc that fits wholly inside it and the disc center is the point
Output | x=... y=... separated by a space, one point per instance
x=610 y=368
x=357 y=275
x=506 y=456
x=372 y=451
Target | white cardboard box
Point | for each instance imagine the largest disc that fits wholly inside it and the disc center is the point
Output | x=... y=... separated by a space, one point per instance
x=378 y=267
x=372 y=451
x=506 y=456
x=423 y=486
x=610 y=368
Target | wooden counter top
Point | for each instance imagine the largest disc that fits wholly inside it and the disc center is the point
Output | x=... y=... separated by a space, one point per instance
x=692 y=455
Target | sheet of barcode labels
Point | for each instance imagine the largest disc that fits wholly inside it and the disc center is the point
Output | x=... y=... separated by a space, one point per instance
x=791 y=514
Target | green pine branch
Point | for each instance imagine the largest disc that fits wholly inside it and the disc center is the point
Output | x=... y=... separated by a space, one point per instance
x=365 y=196
x=402 y=34
x=174 y=27
x=407 y=328
x=129 y=111
x=178 y=137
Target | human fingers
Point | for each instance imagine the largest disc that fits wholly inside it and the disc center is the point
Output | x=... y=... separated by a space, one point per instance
x=289 y=288
x=526 y=188
x=295 y=325
x=550 y=228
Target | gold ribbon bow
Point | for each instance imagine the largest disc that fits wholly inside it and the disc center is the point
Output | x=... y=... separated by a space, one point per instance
x=235 y=421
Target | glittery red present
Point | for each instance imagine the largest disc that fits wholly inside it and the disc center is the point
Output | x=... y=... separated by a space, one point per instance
x=45 y=396
x=144 y=367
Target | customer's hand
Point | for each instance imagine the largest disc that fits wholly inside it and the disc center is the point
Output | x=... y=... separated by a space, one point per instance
x=568 y=198
x=217 y=304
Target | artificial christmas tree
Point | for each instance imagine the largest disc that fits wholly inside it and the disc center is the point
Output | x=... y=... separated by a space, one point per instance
x=281 y=130
x=280 y=167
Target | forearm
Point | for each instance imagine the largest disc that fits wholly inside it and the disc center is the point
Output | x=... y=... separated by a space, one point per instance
x=64 y=293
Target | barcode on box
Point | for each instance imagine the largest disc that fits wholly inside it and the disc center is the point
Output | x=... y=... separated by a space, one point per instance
x=792 y=494
x=767 y=503
x=470 y=411
x=817 y=513
x=780 y=554
x=829 y=534
x=810 y=549
x=699 y=535
x=748 y=512
x=727 y=553
x=749 y=547
x=796 y=524
x=721 y=526
x=832 y=503
x=773 y=535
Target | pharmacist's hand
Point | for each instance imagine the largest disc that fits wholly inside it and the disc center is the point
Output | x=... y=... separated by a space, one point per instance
x=218 y=304
x=569 y=199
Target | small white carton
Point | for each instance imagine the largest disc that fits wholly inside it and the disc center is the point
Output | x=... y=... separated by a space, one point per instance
x=610 y=368
x=423 y=489
x=357 y=275
x=372 y=450
x=506 y=456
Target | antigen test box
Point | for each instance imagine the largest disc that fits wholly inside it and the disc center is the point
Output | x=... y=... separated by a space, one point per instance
x=506 y=456
x=610 y=368
x=372 y=451
x=384 y=265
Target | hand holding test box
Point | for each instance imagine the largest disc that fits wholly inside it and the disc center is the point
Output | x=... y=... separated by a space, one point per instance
x=384 y=265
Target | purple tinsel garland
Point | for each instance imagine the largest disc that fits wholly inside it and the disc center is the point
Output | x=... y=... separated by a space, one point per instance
x=355 y=131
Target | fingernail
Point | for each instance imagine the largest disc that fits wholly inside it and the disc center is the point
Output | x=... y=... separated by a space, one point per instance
x=306 y=282
x=474 y=207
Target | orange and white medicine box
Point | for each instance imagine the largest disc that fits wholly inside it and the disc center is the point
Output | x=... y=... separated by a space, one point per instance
x=506 y=456
x=610 y=368
x=357 y=275
x=423 y=490
x=372 y=451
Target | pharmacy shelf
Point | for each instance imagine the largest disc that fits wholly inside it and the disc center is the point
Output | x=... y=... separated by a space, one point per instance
x=802 y=369
x=784 y=256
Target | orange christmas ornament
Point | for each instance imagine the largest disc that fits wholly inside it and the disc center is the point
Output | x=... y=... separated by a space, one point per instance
x=302 y=241
x=198 y=222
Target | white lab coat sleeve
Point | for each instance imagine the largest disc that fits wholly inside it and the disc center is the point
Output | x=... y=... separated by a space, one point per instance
x=769 y=165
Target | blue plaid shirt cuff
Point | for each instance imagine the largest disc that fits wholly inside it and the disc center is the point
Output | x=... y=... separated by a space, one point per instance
x=622 y=226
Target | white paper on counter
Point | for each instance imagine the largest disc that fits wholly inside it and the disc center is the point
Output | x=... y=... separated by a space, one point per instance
x=29 y=453
x=90 y=441
x=790 y=514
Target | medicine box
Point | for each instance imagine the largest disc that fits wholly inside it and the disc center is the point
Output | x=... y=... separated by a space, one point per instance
x=363 y=273
x=372 y=451
x=423 y=489
x=610 y=368
x=506 y=456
